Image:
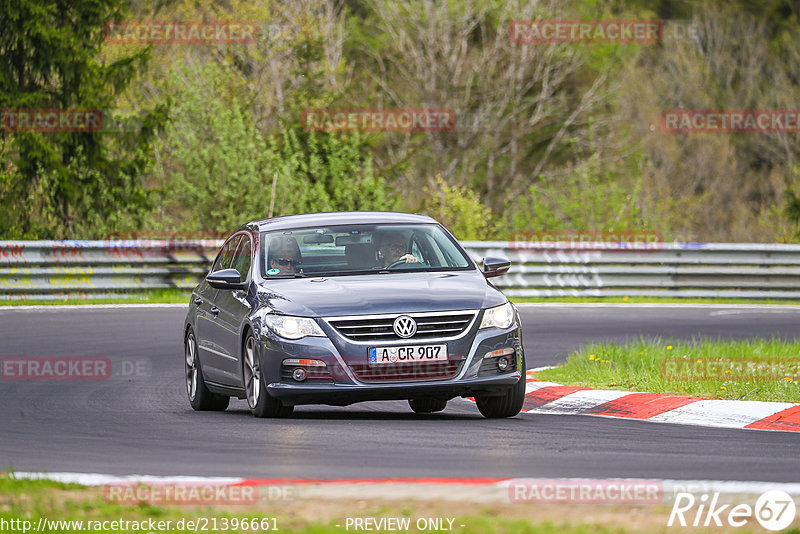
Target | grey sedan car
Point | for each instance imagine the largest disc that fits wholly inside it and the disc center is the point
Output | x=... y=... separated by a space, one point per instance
x=338 y=308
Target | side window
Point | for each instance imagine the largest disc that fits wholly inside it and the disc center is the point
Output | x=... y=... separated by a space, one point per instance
x=241 y=260
x=225 y=258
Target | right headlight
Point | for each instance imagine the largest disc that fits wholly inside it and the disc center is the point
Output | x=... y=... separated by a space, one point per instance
x=290 y=327
x=498 y=317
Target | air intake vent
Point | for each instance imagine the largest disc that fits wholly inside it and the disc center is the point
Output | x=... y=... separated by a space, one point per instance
x=407 y=372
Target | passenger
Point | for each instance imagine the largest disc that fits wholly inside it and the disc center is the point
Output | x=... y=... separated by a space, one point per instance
x=284 y=255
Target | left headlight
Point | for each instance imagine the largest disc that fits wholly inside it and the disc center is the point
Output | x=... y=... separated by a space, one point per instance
x=498 y=317
x=293 y=327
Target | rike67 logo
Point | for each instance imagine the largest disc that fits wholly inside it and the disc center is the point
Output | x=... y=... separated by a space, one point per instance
x=773 y=510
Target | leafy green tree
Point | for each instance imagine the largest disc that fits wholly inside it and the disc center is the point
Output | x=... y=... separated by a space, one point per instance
x=217 y=167
x=329 y=172
x=78 y=183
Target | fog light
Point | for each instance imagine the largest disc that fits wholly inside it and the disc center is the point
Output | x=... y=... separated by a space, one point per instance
x=299 y=374
x=502 y=363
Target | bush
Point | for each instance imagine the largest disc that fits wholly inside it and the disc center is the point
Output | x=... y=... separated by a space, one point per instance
x=460 y=210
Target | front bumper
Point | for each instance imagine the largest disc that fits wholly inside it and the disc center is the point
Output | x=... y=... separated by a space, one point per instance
x=343 y=394
x=342 y=385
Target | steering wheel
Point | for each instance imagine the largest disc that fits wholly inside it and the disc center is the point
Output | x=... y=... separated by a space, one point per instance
x=396 y=263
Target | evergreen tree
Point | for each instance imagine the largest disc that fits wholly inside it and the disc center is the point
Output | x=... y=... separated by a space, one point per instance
x=72 y=183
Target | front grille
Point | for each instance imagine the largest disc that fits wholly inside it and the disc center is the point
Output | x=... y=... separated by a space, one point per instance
x=379 y=327
x=407 y=372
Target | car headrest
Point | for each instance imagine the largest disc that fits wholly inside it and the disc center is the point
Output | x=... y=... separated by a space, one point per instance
x=360 y=255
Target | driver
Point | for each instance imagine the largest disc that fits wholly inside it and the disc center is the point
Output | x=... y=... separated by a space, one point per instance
x=284 y=254
x=391 y=246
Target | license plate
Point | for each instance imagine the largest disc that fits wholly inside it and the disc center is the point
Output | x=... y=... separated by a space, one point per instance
x=407 y=353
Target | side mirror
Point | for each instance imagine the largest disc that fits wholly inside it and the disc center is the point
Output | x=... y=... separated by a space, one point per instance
x=225 y=279
x=495 y=266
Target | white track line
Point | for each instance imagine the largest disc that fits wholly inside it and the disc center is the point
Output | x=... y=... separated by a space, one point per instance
x=782 y=307
x=57 y=307
x=100 y=479
x=653 y=305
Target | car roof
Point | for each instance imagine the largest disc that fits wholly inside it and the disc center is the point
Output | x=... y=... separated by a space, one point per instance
x=339 y=217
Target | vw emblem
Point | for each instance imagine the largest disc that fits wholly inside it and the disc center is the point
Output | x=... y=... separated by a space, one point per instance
x=404 y=326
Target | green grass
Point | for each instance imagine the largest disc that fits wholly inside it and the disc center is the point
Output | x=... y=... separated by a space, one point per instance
x=150 y=296
x=660 y=366
x=657 y=300
x=9 y=485
x=34 y=499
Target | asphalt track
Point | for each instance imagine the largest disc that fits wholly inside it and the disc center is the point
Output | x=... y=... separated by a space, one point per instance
x=141 y=423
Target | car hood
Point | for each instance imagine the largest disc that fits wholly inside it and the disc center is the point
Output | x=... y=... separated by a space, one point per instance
x=380 y=293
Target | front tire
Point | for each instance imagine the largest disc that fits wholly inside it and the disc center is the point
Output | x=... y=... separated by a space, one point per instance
x=427 y=405
x=508 y=405
x=260 y=402
x=200 y=397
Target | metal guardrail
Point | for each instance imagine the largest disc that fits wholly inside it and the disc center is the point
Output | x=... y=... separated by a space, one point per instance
x=689 y=270
x=78 y=269
x=81 y=269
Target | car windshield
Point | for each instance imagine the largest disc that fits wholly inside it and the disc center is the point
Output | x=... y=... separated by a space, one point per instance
x=358 y=249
